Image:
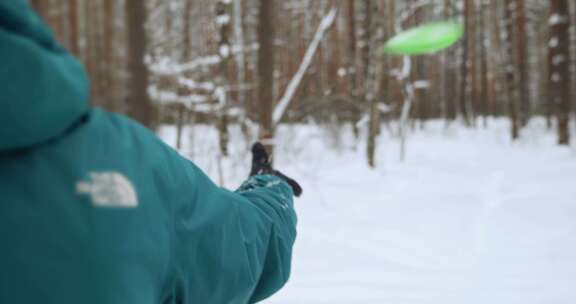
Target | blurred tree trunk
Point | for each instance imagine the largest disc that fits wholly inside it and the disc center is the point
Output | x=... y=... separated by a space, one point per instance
x=109 y=80
x=419 y=68
x=370 y=82
x=573 y=61
x=39 y=6
x=240 y=58
x=266 y=33
x=138 y=102
x=223 y=18
x=352 y=70
x=74 y=37
x=497 y=82
x=484 y=72
x=473 y=61
x=521 y=45
x=182 y=114
x=559 y=74
x=352 y=46
x=512 y=80
x=449 y=88
x=90 y=57
x=365 y=43
x=545 y=106
x=336 y=85
x=466 y=81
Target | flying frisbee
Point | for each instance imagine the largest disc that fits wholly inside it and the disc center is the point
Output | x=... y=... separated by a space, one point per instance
x=425 y=39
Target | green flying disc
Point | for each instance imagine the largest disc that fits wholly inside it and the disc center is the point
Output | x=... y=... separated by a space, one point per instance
x=425 y=39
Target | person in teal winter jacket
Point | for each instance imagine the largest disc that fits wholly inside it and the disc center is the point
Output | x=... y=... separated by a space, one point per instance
x=95 y=209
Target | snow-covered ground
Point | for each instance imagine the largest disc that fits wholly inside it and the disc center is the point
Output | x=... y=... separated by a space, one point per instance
x=468 y=218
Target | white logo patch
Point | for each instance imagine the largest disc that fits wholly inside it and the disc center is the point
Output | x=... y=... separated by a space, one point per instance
x=109 y=189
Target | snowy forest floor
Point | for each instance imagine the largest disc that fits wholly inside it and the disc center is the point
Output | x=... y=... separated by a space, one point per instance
x=469 y=217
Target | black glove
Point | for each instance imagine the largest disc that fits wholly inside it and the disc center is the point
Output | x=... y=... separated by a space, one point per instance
x=261 y=165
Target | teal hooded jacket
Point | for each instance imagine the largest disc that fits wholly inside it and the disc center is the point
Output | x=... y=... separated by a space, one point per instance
x=95 y=209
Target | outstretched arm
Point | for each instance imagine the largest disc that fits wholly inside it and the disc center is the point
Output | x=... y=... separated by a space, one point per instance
x=229 y=247
x=241 y=241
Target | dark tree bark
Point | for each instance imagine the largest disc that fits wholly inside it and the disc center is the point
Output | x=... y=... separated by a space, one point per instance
x=511 y=72
x=497 y=83
x=466 y=79
x=352 y=46
x=39 y=6
x=138 y=102
x=74 y=38
x=449 y=89
x=353 y=71
x=182 y=115
x=521 y=45
x=109 y=81
x=370 y=82
x=90 y=52
x=559 y=76
x=266 y=33
x=484 y=73
x=224 y=9
x=419 y=67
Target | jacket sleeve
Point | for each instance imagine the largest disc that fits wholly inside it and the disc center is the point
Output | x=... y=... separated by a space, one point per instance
x=227 y=246
x=233 y=247
x=247 y=236
x=273 y=199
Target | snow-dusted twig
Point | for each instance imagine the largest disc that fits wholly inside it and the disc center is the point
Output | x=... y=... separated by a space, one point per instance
x=284 y=102
x=167 y=66
x=164 y=96
x=404 y=72
x=406 y=108
x=194 y=85
x=409 y=11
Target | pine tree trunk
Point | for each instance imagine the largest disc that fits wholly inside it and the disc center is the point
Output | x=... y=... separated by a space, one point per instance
x=466 y=82
x=484 y=73
x=138 y=102
x=559 y=67
x=182 y=112
x=223 y=9
x=40 y=7
x=352 y=45
x=180 y=119
x=90 y=51
x=472 y=33
x=511 y=72
x=449 y=95
x=266 y=33
x=109 y=80
x=370 y=82
x=74 y=39
x=522 y=62
x=495 y=84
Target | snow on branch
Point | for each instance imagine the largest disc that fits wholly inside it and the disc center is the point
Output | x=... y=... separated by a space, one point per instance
x=403 y=73
x=163 y=96
x=284 y=102
x=421 y=84
x=167 y=66
x=193 y=85
x=410 y=10
x=557 y=19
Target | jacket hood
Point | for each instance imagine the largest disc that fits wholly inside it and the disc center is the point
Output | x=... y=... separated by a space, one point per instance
x=43 y=89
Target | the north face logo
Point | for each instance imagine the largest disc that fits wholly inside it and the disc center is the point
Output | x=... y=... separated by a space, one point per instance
x=109 y=189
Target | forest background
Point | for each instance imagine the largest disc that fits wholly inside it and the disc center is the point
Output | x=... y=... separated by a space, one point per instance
x=259 y=63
